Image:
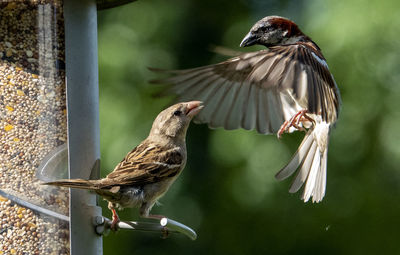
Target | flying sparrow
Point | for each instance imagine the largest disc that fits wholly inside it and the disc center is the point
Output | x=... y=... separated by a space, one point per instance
x=284 y=88
x=146 y=173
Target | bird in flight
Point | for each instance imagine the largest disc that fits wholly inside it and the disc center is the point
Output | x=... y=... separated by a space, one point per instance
x=283 y=88
x=147 y=172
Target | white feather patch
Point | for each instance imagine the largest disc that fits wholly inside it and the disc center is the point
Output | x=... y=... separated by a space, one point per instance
x=290 y=106
x=321 y=133
x=312 y=176
x=297 y=159
x=304 y=170
x=319 y=189
x=302 y=93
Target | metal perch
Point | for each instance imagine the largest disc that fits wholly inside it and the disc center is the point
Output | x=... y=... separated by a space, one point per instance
x=165 y=225
x=102 y=224
x=34 y=207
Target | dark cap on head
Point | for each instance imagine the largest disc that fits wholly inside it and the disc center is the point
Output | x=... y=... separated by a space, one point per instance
x=272 y=31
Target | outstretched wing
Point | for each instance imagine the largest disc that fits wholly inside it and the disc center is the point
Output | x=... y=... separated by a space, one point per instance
x=259 y=90
x=147 y=163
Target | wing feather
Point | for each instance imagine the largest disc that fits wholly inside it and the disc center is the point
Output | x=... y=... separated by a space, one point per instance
x=235 y=112
x=304 y=169
x=216 y=98
x=219 y=117
x=146 y=164
x=263 y=125
x=281 y=77
x=249 y=117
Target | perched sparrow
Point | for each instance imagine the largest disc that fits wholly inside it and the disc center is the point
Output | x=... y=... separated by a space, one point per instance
x=146 y=173
x=284 y=88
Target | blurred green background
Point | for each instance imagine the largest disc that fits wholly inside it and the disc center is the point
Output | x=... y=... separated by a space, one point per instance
x=227 y=192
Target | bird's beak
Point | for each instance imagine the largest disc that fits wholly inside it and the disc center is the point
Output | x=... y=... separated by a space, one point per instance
x=248 y=40
x=193 y=108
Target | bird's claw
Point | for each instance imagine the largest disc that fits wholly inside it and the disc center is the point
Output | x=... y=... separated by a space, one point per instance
x=294 y=121
x=115 y=220
x=114 y=226
x=165 y=233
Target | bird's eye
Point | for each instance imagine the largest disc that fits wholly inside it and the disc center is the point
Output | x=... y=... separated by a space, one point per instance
x=177 y=113
x=265 y=29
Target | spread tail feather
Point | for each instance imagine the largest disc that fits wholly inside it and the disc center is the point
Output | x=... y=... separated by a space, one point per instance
x=75 y=183
x=311 y=160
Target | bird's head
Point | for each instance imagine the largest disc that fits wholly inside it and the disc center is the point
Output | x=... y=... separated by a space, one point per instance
x=174 y=121
x=273 y=31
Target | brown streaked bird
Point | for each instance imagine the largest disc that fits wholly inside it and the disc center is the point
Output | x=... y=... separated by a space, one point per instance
x=147 y=172
x=284 y=88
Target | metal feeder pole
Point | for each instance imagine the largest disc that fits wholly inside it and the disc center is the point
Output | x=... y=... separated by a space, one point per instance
x=86 y=221
x=83 y=120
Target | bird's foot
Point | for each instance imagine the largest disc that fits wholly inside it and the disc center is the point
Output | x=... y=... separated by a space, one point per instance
x=115 y=220
x=294 y=121
x=164 y=233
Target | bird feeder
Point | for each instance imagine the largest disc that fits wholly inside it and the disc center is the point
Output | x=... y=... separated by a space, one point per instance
x=49 y=127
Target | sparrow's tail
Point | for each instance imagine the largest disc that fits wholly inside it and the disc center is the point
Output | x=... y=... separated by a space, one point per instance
x=311 y=158
x=76 y=183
